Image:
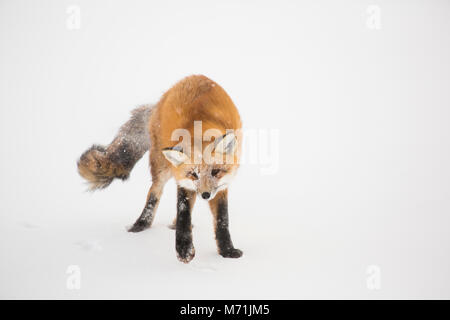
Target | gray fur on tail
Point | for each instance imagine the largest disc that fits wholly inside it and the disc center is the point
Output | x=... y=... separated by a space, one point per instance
x=133 y=139
x=100 y=165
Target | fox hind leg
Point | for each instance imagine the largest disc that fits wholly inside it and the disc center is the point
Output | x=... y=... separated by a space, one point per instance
x=145 y=220
x=173 y=225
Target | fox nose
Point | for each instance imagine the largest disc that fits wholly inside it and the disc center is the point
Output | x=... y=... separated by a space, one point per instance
x=205 y=195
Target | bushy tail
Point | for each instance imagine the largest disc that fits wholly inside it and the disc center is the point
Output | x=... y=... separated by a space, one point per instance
x=100 y=165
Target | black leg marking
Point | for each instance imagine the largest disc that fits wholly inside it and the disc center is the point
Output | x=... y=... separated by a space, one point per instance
x=183 y=245
x=146 y=218
x=223 y=238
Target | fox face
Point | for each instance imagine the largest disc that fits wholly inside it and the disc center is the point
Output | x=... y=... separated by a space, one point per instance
x=204 y=179
x=205 y=176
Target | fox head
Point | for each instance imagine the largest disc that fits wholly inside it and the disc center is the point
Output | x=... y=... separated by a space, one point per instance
x=208 y=174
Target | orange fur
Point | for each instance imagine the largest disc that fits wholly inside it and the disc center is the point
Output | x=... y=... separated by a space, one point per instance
x=194 y=98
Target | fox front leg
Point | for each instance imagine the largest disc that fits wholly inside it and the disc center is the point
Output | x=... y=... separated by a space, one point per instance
x=183 y=234
x=219 y=208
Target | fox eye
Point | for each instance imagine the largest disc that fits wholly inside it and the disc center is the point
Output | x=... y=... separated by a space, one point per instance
x=215 y=172
x=193 y=175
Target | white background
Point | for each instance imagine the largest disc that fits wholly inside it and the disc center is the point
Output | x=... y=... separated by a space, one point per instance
x=363 y=117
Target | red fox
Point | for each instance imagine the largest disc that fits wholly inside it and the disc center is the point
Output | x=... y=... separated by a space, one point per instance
x=198 y=110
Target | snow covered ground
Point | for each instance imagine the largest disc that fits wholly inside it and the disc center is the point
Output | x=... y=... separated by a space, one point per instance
x=358 y=203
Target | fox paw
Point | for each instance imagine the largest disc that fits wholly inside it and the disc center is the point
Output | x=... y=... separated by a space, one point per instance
x=139 y=226
x=186 y=254
x=231 y=253
x=173 y=226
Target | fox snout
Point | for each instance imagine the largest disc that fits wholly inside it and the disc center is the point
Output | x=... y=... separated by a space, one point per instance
x=206 y=195
x=210 y=194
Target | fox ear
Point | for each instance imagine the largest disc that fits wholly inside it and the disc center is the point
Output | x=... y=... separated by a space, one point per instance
x=227 y=144
x=175 y=155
